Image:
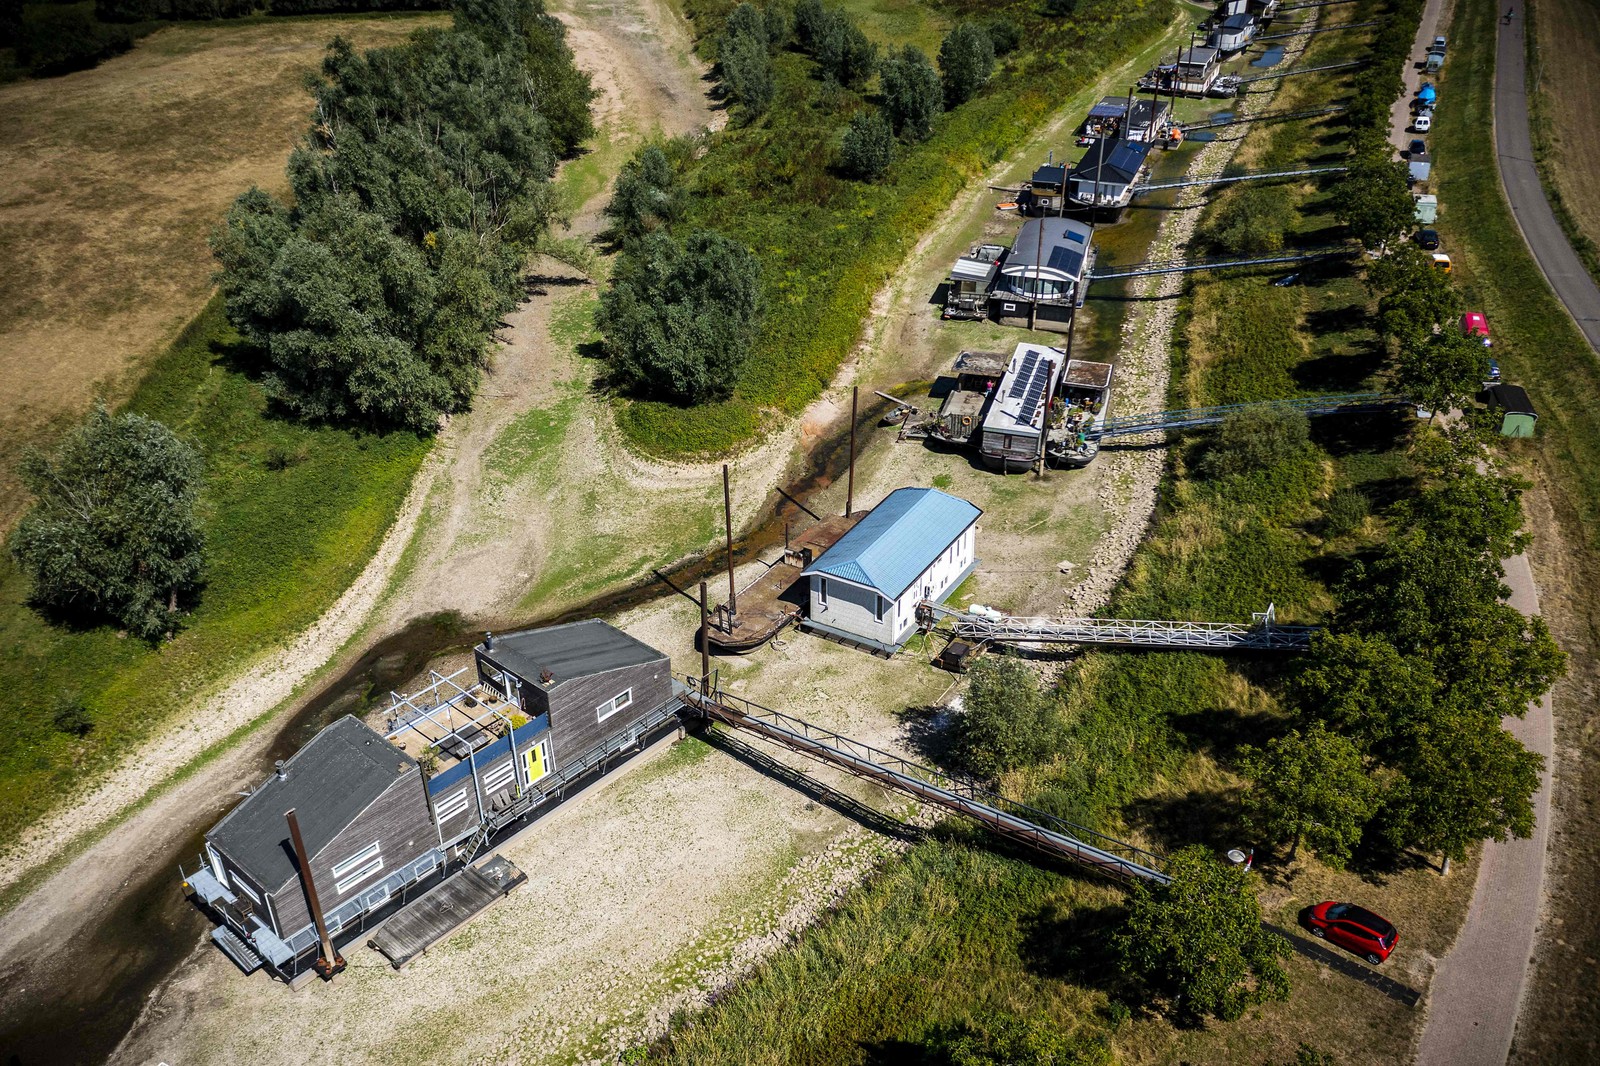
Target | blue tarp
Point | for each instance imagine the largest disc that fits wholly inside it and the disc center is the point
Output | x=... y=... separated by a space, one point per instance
x=1427 y=92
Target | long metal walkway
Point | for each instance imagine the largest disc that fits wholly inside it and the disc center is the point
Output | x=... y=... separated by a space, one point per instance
x=1157 y=186
x=1016 y=822
x=1187 y=266
x=1159 y=421
x=1318 y=29
x=1262 y=634
x=1235 y=81
x=1282 y=114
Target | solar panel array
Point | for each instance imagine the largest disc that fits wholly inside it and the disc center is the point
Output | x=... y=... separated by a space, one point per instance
x=1019 y=385
x=1037 y=383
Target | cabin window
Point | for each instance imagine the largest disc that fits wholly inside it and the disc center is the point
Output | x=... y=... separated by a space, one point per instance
x=357 y=868
x=239 y=883
x=615 y=704
x=451 y=806
x=822 y=591
x=877 y=603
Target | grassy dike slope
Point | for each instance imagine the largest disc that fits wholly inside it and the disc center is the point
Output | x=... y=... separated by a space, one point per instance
x=292 y=513
x=1540 y=348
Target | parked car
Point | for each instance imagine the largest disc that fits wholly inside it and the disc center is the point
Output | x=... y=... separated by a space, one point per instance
x=1286 y=280
x=1491 y=368
x=1474 y=324
x=1441 y=262
x=1423 y=122
x=1437 y=46
x=1353 y=928
x=1417 y=147
x=1428 y=240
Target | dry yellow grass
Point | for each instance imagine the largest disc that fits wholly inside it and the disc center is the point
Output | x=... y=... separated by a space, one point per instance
x=1567 y=73
x=110 y=180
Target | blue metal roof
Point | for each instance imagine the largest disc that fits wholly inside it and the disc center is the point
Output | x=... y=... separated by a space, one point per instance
x=898 y=540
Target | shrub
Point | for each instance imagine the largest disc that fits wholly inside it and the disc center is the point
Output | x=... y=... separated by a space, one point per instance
x=966 y=59
x=1060 y=8
x=1007 y=720
x=868 y=146
x=646 y=195
x=1004 y=35
x=1252 y=221
x=113 y=531
x=912 y=95
x=1254 y=440
x=1345 y=512
x=679 y=318
x=72 y=717
x=1008 y=1040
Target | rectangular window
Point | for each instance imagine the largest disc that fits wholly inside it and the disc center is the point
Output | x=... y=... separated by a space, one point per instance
x=878 y=605
x=378 y=897
x=246 y=889
x=822 y=591
x=615 y=704
x=451 y=806
x=499 y=777
x=357 y=868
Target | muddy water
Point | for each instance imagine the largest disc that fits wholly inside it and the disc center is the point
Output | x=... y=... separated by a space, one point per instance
x=76 y=1007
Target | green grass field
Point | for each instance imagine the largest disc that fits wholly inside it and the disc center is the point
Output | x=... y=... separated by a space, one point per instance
x=292 y=513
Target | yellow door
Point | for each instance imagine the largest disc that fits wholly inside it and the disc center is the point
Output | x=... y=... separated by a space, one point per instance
x=535 y=761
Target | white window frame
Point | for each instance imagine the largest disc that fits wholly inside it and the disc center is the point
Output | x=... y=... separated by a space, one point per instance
x=616 y=703
x=451 y=806
x=822 y=591
x=374 y=904
x=357 y=868
x=238 y=882
x=500 y=776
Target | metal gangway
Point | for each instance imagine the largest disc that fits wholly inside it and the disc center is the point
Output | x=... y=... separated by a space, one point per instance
x=1269 y=175
x=1314 y=3
x=1187 y=266
x=1187 y=418
x=1285 y=114
x=1262 y=634
x=1318 y=29
x=1233 y=81
x=1028 y=826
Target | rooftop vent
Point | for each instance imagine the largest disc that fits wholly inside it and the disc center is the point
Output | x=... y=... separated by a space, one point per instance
x=488 y=641
x=546 y=677
x=283 y=775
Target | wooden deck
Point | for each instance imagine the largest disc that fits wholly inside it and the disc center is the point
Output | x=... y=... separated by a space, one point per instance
x=775 y=599
x=424 y=922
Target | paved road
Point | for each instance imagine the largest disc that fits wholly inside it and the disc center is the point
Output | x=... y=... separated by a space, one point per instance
x=1514 y=147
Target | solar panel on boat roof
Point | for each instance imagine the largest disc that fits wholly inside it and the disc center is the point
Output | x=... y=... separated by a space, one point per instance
x=1020 y=385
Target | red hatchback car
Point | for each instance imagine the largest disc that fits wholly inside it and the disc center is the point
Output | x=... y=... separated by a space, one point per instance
x=1354 y=929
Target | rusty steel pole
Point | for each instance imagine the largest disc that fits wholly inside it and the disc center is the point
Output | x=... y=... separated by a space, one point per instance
x=705 y=641
x=727 y=517
x=850 y=485
x=330 y=963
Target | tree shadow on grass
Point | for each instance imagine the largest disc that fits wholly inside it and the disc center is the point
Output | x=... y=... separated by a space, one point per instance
x=1209 y=817
x=1062 y=943
x=1343 y=435
x=1221 y=731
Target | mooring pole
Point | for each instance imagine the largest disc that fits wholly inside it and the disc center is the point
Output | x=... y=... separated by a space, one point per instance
x=727 y=517
x=850 y=485
x=331 y=962
x=705 y=642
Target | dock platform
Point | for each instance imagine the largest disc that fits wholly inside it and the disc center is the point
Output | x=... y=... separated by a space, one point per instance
x=774 y=600
x=429 y=919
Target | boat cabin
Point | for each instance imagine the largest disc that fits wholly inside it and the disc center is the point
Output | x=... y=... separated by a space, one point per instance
x=1234 y=33
x=1107 y=173
x=1015 y=424
x=1195 y=70
x=967 y=292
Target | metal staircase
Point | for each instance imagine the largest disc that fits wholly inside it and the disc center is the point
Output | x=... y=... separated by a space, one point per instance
x=1016 y=822
x=1262 y=634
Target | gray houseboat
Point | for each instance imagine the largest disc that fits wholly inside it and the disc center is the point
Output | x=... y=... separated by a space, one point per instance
x=1039 y=283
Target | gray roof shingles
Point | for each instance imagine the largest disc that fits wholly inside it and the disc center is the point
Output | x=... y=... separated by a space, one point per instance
x=578 y=649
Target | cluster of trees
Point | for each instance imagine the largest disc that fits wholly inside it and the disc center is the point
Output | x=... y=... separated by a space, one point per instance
x=1377 y=84
x=843 y=53
x=418 y=193
x=113 y=532
x=51 y=39
x=744 y=55
x=1398 y=732
x=1372 y=197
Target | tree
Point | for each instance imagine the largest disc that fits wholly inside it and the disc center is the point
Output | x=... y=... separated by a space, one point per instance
x=843 y=52
x=1414 y=298
x=1256 y=439
x=1372 y=198
x=112 y=531
x=646 y=196
x=1060 y=8
x=1362 y=688
x=1007 y=720
x=809 y=16
x=1251 y=221
x=868 y=146
x=1440 y=372
x=1200 y=940
x=912 y=95
x=966 y=59
x=680 y=317
x=1008 y=1040
x=744 y=56
x=535 y=41
x=1310 y=787
x=1004 y=35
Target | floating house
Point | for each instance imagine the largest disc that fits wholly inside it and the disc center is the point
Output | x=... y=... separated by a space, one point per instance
x=1039 y=282
x=1233 y=33
x=1107 y=173
x=1017 y=417
x=384 y=817
x=1195 y=71
x=1046 y=188
x=967 y=291
x=917 y=545
x=1147 y=119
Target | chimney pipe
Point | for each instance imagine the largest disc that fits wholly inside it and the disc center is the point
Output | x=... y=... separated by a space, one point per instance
x=330 y=962
x=278 y=769
x=488 y=641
